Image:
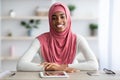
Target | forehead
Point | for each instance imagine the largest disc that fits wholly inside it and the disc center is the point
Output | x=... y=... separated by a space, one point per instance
x=57 y=13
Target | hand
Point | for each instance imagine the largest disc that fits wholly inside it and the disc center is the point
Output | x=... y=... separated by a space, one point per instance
x=57 y=67
x=71 y=70
x=53 y=66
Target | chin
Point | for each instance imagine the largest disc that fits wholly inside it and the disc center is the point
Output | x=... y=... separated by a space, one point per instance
x=60 y=30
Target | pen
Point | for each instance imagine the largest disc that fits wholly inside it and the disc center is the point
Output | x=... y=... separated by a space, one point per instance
x=107 y=71
x=12 y=74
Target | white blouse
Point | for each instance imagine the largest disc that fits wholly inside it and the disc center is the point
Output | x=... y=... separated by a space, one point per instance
x=84 y=59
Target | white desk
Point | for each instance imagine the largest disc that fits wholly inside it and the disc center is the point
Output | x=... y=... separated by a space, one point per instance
x=72 y=76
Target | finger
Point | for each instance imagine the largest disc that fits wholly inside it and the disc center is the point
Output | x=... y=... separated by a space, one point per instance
x=45 y=65
x=70 y=70
x=53 y=65
x=77 y=70
x=49 y=66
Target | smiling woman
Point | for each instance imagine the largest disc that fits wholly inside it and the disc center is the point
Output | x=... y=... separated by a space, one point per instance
x=59 y=47
x=59 y=21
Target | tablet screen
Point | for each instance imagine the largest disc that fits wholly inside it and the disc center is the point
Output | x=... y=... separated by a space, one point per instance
x=53 y=74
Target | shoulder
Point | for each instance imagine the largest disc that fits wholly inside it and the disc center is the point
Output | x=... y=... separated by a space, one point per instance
x=81 y=41
x=80 y=38
x=43 y=35
x=35 y=42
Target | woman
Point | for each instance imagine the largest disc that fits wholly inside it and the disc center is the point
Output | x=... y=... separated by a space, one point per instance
x=59 y=48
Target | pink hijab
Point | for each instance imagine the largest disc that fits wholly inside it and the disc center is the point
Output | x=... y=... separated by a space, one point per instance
x=58 y=47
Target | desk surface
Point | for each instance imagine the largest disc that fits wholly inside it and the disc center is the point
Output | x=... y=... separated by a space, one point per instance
x=72 y=76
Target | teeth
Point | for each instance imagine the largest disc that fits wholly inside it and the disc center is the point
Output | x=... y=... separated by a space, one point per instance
x=59 y=26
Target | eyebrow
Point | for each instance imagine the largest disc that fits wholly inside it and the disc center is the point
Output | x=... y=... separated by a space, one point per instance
x=56 y=15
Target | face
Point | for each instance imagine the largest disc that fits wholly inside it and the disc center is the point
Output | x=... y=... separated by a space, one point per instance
x=59 y=21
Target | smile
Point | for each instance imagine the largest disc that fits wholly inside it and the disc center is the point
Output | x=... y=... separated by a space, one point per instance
x=59 y=26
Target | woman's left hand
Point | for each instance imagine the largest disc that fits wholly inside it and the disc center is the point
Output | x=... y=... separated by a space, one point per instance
x=53 y=67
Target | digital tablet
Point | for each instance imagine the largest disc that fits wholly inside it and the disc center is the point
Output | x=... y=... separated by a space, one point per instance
x=48 y=74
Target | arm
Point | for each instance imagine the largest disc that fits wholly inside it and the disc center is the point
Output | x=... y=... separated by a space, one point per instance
x=25 y=64
x=90 y=62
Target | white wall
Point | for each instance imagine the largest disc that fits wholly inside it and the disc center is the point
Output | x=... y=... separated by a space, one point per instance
x=103 y=32
x=0 y=37
x=115 y=30
x=109 y=34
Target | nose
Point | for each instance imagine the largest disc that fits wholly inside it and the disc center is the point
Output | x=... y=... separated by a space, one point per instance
x=58 y=20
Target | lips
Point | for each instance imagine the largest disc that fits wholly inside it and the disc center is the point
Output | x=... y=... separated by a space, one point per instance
x=59 y=26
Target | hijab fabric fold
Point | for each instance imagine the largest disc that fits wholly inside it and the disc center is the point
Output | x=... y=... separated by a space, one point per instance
x=58 y=47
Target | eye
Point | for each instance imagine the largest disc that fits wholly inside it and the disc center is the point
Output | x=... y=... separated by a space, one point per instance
x=62 y=16
x=53 y=18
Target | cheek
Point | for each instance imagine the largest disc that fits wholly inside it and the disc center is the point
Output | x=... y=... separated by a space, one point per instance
x=66 y=23
x=53 y=23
